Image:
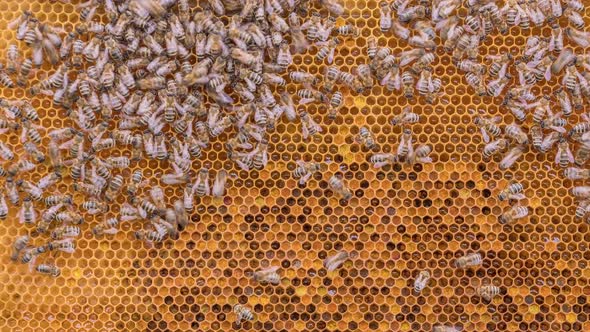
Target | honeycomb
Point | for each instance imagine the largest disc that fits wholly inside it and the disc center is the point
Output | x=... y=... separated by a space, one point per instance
x=400 y=221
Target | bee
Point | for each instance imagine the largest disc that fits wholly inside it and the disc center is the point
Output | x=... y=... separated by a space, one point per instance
x=384 y=16
x=268 y=275
x=151 y=83
x=51 y=270
x=118 y=162
x=405 y=117
x=303 y=77
x=150 y=236
x=421 y=281
x=494 y=147
x=30 y=255
x=201 y=186
x=444 y=328
x=381 y=159
x=308 y=126
x=515 y=132
x=366 y=138
x=5 y=152
x=495 y=87
x=488 y=126
x=12 y=59
x=549 y=141
x=244 y=57
x=488 y=292
x=564 y=155
x=333 y=262
x=364 y=75
x=157 y=196
x=66 y=231
x=58 y=199
x=94 y=207
x=512 y=192
x=469 y=260
x=305 y=171
x=582 y=208
x=348 y=30
x=114 y=187
x=419 y=155
x=581 y=192
x=514 y=213
x=5 y=79
x=48 y=180
x=511 y=157
x=34 y=192
x=218 y=189
x=371 y=47
x=337 y=186
x=18 y=245
x=242 y=313
x=579 y=37
x=24 y=72
x=335 y=105
x=469 y=66
x=408 y=84
x=327 y=50
x=405 y=145
x=574 y=173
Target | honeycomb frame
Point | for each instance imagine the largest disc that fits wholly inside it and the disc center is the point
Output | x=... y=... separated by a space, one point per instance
x=400 y=221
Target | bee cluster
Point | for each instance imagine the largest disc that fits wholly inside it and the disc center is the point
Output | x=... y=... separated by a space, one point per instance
x=409 y=70
x=161 y=81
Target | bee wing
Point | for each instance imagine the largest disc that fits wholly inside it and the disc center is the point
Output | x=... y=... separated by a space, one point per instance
x=330 y=56
x=547 y=74
x=111 y=231
x=305 y=178
x=558 y=129
x=484 y=134
x=503 y=70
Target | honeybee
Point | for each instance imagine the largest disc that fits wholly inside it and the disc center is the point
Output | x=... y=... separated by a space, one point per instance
x=516 y=133
x=5 y=152
x=218 y=189
x=333 y=262
x=421 y=281
x=419 y=155
x=488 y=126
x=511 y=157
x=305 y=171
x=514 y=213
x=581 y=191
x=201 y=186
x=30 y=255
x=384 y=16
x=582 y=208
x=488 y=292
x=405 y=117
x=444 y=328
x=549 y=140
x=327 y=50
x=19 y=244
x=308 y=126
x=512 y=192
x=335 y=105
x=242 y=313
x=66 y=231
x=366 y=138
x=469 y=260
x=51 y=270
x=579 y=37
x=337 y=185
x=564 y=155
x=94 y=207
x=575 y=173
x=405 y=146
x=381 y=159
x=27 y=213
x=494 y=147
x=268 y=275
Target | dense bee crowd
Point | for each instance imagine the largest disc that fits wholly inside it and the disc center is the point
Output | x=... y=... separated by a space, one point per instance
x=217 y=139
